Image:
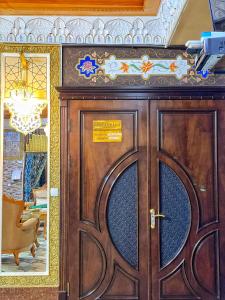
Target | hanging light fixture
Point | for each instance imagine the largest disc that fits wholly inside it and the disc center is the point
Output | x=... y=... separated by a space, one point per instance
x=25 y=109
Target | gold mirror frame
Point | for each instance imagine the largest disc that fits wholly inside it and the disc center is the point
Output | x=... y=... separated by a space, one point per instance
x=51 y=280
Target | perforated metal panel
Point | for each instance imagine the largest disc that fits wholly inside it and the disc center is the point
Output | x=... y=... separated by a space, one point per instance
x=122 y=215
x=175 y=204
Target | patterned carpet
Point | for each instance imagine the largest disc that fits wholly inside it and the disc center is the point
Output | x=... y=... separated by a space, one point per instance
x=28 y=263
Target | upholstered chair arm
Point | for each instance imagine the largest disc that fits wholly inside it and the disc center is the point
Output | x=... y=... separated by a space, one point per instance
x=31 y=223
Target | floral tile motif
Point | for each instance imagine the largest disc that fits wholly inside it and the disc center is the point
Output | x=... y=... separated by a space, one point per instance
x=204 y=74
x=105 y=68
x=145 y=67
x=87 y=67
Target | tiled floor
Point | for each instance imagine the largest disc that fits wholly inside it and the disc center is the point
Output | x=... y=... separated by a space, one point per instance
x=28 y=263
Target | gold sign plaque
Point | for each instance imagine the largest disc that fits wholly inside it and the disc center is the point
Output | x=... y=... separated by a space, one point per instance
x=107 y=131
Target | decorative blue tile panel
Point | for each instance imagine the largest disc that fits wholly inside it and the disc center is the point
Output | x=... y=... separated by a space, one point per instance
x=175 y=205
x=87 y=66
x=122 y=215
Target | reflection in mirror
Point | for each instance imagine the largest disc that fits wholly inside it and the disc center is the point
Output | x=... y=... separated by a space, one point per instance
x=25 y=201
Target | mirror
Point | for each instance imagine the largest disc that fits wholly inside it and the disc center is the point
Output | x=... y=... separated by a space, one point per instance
x=25 y=165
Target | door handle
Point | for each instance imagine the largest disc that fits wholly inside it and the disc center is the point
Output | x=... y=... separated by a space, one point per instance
x=154 y=216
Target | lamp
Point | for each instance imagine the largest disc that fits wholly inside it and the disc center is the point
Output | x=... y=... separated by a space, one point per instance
x=25 y=109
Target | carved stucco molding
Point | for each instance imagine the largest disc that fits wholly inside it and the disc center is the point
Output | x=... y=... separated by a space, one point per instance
x=94 y=30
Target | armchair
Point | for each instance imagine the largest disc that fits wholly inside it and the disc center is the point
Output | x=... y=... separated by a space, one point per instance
x=17 y=236
x=40 y=195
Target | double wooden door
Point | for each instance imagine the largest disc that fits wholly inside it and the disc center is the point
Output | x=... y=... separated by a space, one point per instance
x=146 y=193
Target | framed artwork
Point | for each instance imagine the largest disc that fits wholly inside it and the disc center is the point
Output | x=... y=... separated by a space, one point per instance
x=13 y=145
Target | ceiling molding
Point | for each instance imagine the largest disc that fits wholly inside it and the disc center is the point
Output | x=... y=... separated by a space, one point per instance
x=94 y=30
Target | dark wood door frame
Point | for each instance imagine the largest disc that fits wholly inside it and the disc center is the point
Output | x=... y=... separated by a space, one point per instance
x=91 y=93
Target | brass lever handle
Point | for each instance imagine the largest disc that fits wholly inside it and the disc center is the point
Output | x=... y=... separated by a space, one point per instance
x=153 y=216
x=160 y=216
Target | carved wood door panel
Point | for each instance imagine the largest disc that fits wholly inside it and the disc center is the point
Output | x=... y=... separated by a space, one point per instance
x=126 y=158
x=108 y=204
x=187 y=187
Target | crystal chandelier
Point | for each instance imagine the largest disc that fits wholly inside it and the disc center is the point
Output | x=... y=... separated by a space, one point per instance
x=25 y=110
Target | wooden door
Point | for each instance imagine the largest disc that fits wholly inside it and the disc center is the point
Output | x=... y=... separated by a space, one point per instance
x=108 y=232
x=188 y=187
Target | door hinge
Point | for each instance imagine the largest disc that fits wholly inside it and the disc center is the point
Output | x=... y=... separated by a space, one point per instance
x=68 y=289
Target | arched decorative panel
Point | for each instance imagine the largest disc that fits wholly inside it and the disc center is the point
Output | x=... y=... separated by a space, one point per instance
x=175 y=204
x=122 y=215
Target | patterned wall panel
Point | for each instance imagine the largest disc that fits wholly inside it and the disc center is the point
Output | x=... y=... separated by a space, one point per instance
x=129 y=66
x=29 y=293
